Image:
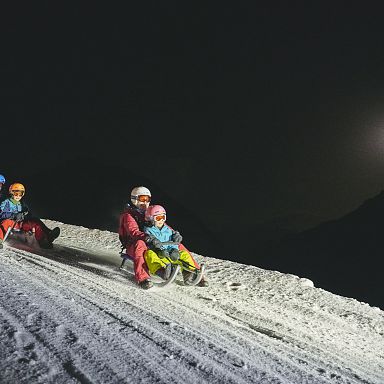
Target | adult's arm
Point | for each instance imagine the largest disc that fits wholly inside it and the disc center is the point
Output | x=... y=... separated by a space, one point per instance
x=132 y=228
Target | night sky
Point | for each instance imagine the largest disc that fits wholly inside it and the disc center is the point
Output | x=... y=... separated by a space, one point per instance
x=238 y=112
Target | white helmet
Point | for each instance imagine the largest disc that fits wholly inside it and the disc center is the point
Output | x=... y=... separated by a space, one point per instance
x=137 y=192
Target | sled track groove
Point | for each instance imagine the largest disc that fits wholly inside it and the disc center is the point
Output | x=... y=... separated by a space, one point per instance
x=199 y=338
x=121 y=305
x=155 y=334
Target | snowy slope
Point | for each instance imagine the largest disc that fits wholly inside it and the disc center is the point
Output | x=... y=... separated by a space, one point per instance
x=69 y=315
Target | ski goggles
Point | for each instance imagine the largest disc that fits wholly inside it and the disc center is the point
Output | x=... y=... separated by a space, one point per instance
x=160 y=217
x=144 y=198
x=17 y=193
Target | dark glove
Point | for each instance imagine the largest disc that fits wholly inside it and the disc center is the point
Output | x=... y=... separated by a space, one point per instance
x=154 y=243
x=176 y=237
x=174 y=254
x=164 y=253
x=19 y=216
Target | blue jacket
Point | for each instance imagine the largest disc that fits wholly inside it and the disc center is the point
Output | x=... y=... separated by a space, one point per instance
x=163 y=234
x=9 y=207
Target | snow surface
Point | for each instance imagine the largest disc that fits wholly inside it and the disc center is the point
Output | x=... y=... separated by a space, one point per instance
x=70 y=315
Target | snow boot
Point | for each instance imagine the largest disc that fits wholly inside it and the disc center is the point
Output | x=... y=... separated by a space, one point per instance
x=165 y=272
x=188 y=276
x=146 y=284
x=53 y=234
x=203 y=282
x=45 y=244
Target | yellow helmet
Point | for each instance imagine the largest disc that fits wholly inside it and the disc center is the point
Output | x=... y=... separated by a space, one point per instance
x=17 y=187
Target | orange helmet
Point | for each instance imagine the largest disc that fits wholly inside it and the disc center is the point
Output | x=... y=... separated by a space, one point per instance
x=16 y=187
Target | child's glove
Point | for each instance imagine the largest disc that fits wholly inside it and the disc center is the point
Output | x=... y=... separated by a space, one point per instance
x=19 y=216
x=154 y=243
x=176 y=237
x=174 y=254
x=164 y=253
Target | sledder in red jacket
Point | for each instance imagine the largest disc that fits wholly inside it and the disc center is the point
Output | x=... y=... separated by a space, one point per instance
x=131 y=233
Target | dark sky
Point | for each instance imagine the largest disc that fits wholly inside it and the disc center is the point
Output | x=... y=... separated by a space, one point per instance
x=238 y=110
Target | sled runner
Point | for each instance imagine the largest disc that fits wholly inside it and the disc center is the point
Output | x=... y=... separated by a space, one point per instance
x=198 y=273
x=172 y=277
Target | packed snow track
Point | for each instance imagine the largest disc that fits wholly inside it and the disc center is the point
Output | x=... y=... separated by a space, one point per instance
x=69 y=315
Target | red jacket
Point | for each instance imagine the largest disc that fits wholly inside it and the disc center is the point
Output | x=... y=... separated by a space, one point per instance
x=131 y=226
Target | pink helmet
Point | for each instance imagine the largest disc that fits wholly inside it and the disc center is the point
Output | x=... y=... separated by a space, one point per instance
x=154 y=210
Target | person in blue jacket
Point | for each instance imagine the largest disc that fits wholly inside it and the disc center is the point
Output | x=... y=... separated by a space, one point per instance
x=14 y=213
x=159 y=256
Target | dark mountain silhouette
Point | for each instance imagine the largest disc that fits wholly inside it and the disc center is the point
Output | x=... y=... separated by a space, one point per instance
x=252 y=244
x=293 y=223
x=344 y=256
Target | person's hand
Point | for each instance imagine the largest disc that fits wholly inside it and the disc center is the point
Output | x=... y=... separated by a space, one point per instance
x=154 y=243
x=174 y=254
x=164 y=253
x=148 y=239
x=19 y=216
x=176 y=237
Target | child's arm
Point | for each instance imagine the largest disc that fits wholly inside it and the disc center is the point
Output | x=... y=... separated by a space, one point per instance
x=6 y=211
x=176 y=237
x=152 y=240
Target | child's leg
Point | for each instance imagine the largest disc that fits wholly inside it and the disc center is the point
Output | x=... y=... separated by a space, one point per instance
x=153 y=261
x=186 y=261
x=38 y=226
x=183 y=249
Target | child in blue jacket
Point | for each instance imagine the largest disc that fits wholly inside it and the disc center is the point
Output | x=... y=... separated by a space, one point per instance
x=14 y=213
x=160 y=257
